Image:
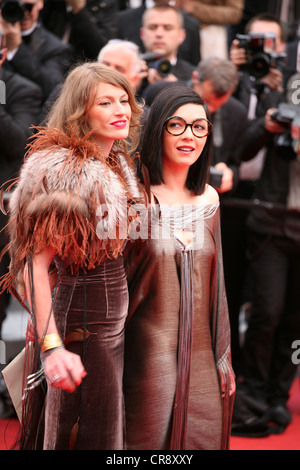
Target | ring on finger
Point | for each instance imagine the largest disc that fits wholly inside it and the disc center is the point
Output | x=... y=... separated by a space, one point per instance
x=55 y=378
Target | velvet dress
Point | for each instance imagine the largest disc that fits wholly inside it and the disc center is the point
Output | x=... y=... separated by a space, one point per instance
x=178 y=370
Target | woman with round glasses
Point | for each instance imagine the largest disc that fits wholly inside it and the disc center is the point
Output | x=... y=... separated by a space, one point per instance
x=178 y=380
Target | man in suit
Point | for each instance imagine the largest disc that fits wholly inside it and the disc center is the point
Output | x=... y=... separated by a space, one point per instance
x=19 y=110
x=86 y=25
x=293 y=55
x=34 y=52
x=123 y=56
x=130 y=23
x=273 y=247
x=162 y=33
x=216 y=80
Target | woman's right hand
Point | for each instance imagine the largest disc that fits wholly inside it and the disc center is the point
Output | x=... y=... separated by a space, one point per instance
x=64 y=369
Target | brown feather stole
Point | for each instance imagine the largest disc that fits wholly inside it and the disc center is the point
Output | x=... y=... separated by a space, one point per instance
x=65 y=192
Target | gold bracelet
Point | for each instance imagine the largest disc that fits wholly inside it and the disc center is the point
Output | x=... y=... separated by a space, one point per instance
x=50 y=342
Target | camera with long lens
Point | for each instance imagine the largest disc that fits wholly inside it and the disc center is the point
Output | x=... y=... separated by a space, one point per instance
x=156 y=61
x=288 y=143
x=12 y=11
x=260 y=55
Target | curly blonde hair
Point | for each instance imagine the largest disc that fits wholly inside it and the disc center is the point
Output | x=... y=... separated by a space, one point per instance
x=69 y=111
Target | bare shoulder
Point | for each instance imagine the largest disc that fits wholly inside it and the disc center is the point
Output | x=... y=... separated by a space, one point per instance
x=210 y=196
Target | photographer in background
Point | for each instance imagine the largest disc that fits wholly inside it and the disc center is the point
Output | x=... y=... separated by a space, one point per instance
x=124 y=56
x=130 y=23
x=86 y=25
x=32 y=51
x=273 y=246
x=19 y=110
x=216 y=80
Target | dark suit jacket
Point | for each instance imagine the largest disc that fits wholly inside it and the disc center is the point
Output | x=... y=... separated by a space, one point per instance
x=91 y=28
x=292 y=49
x=129 y=24
x=234 y=124
x=43 y=59
x=20 y=111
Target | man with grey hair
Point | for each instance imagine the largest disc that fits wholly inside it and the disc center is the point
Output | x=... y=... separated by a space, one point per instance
x=123 y=56
x=215 y=80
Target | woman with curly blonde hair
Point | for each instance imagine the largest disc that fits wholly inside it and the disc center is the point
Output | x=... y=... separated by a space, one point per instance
x=76 y=165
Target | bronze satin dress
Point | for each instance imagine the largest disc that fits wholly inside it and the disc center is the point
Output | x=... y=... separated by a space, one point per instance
x=177 y=346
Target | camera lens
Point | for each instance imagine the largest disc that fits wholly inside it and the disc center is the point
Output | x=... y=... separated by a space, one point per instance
x=164 y=68
x=259 y=65
x=12 y=11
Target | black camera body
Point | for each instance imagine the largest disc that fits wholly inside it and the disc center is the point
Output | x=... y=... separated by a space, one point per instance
x=12 y=10
x=288 y=115
x=156 y=61
x=259 y=57
x=215 y=177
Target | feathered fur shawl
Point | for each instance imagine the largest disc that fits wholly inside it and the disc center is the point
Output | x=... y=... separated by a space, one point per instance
x=63 y=183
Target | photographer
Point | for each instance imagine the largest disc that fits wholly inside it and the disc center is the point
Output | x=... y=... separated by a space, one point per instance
x=33 y=52
x=216 y=80
x=87 y=25
x=162 y=33
x=18 y=111
x=130 y=22
x=273 y=246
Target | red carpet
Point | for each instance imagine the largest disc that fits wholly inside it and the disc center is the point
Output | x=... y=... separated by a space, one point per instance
x=8 y=433
x=289 y=440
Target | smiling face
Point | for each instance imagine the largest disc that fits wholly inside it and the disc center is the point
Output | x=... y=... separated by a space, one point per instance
x=109 y=115
x=180 y=152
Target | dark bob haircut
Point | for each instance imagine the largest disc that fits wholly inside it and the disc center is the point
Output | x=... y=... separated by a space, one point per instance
x=167 y=101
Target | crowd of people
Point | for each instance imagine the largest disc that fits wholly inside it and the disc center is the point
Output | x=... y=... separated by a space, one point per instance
x=148 y=102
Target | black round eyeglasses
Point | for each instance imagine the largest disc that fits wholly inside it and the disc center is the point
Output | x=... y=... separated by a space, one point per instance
x=176 y=125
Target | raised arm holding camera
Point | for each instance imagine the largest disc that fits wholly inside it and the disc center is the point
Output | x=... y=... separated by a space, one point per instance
x=33 y=52
x=273 y=228
x=87 y=25
x=162 y=33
